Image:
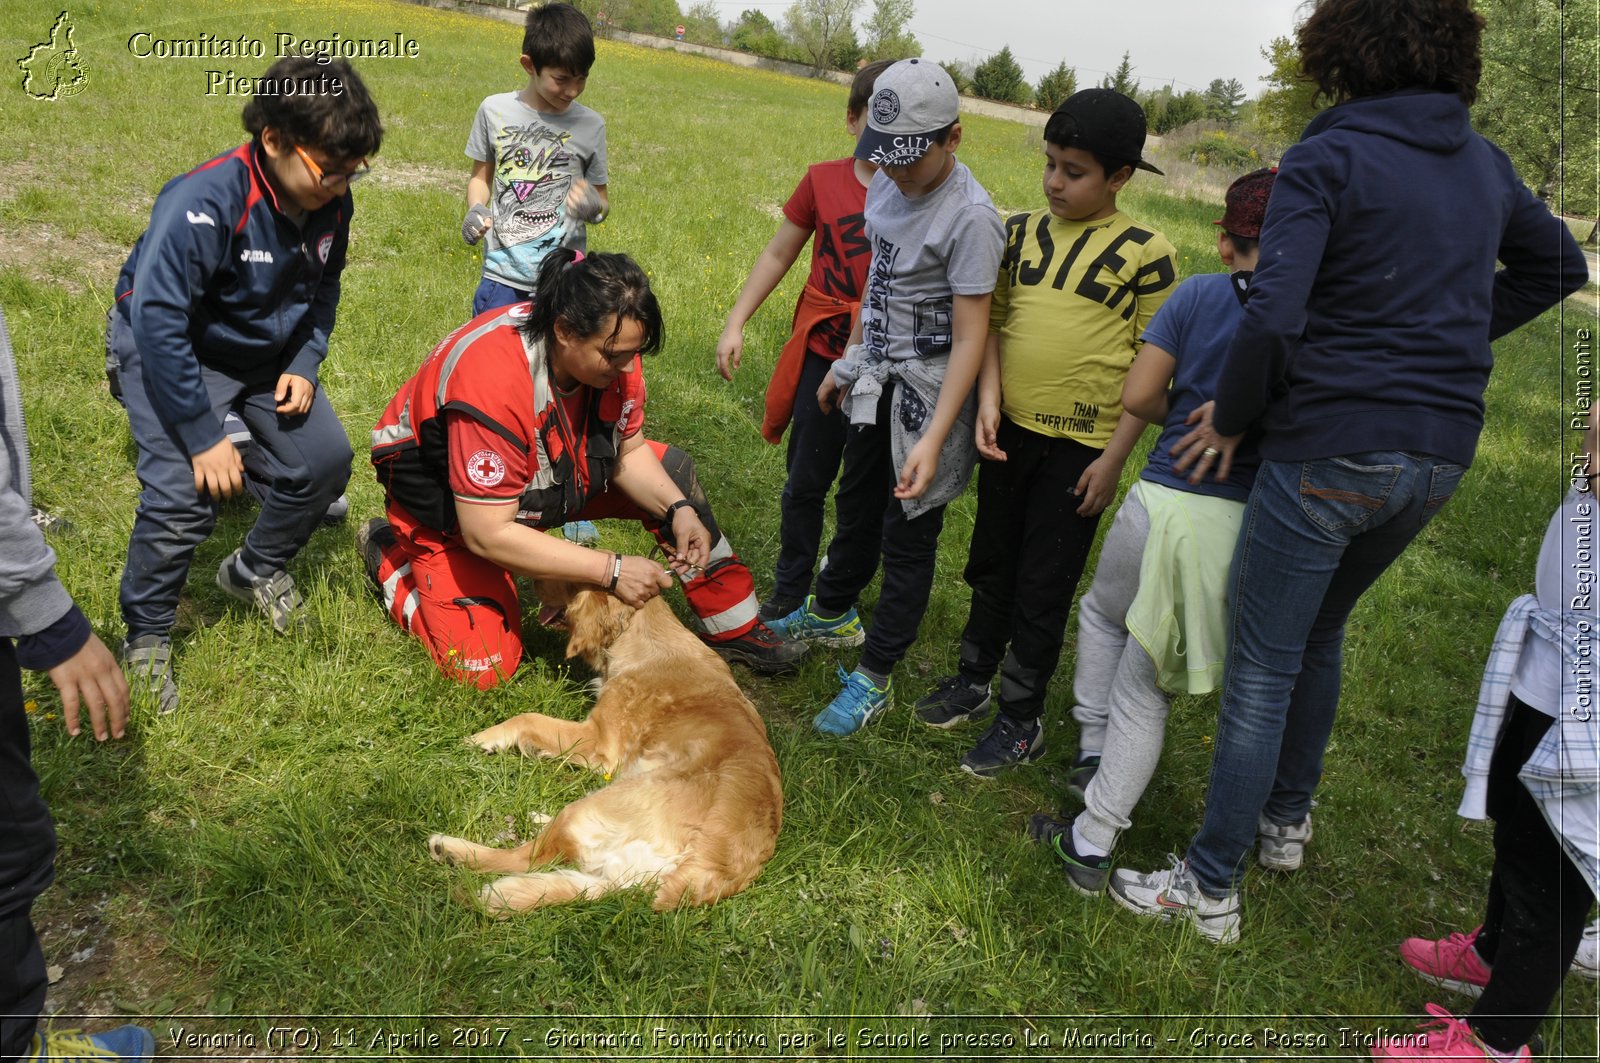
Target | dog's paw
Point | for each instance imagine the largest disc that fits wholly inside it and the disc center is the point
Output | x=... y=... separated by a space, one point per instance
x=490 y=740
x=440 y=848
x=491 y=903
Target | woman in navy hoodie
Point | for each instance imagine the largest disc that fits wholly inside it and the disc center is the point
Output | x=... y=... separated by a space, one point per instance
x=1362 y=355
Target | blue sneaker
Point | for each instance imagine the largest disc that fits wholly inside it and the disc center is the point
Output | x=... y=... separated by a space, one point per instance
x=69 y=1046
x=582 y=532
x=804 y=625
x=856 y=705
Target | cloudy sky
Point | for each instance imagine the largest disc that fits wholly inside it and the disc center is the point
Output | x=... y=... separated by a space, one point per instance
x=1184 y=41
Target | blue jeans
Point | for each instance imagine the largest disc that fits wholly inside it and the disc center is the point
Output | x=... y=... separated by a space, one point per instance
x=1316 y=535
x=492 y=295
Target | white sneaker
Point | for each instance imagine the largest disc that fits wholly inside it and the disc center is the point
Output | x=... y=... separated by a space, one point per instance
x=1282 y=847
x=1586 y=964
x=1174 y=893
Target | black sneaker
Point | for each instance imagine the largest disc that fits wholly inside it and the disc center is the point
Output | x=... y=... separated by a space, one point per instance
x=952 y=701
x=761 y=651
x=1005 y=744
x=776 y=608
x=1083 y=770
x=1086 y=874
x=371 y=539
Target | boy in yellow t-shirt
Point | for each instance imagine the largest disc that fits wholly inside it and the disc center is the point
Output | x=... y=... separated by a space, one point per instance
x=1078 y=283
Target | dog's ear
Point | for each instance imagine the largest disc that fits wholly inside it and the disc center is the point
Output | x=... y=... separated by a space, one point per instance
x=594 y=620
x=554 y=593
x=584 y=631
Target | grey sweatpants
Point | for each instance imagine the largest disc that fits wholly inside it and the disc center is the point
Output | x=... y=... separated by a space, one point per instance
x=1121 y=711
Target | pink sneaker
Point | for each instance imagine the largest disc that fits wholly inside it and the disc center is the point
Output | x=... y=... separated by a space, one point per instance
x=1451 y=963
x=1446 y=1037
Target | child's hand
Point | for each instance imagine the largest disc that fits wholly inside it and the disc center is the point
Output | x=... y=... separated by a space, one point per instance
x=218 y=471
x=829 y=394
x=730 y=351
x=294 y=395
x=988 y=432
x=1098 y=485
x=477 y=222
x=91 y=679
x=584 y=203
x=922 y=465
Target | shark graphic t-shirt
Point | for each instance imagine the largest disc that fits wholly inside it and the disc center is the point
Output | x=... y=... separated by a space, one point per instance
x=535 y=158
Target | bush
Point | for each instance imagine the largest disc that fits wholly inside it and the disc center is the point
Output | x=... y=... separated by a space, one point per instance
x=1223 y=150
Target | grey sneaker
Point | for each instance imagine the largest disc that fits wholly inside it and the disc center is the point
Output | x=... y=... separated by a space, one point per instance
x=274 y=595
x=1282 y=846
x=147 y=662
x=1174 y=894
x=337 y=510
x=1086 y=874
x=952 y=701
x=1082 y=773
x=51 y=524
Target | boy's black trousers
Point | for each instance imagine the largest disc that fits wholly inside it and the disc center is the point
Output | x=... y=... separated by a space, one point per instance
x=27 y=865
x=1029 y=547
x=870 y=522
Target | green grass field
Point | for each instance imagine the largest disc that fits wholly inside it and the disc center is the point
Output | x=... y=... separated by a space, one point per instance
x=262 y=852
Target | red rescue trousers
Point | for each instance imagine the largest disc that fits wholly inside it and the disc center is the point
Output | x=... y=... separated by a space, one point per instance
x=465 y=609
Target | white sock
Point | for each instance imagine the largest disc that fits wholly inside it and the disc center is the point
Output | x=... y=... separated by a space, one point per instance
x=1082 y=846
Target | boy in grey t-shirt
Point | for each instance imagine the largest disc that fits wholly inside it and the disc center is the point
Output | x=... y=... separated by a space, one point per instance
x=538 y=160
x=905 y=382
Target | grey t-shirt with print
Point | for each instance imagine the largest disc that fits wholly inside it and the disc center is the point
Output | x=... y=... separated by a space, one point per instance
x=535 y=158
x=925 y=250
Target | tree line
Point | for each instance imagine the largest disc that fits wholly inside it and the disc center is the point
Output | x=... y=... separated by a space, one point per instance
x=1537 y=98
x=819 y=33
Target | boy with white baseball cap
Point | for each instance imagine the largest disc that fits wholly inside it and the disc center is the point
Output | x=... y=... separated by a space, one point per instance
x=905 y=382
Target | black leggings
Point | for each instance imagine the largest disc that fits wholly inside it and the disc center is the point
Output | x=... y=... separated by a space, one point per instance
x=1538 y=899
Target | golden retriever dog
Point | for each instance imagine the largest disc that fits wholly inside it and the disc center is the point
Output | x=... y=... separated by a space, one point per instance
x=694 y=803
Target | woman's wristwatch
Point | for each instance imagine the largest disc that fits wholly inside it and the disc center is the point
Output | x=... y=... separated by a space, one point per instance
x=673 y=509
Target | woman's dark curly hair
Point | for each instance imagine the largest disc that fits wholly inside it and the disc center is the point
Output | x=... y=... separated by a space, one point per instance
x=1354 y=48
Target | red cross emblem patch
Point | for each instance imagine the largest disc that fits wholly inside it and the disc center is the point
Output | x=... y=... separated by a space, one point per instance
x=486 y=468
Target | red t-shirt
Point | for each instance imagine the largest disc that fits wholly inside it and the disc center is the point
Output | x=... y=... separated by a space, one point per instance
x=831 y=203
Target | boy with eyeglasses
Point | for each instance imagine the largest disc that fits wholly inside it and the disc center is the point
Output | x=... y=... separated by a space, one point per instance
x=225 y=305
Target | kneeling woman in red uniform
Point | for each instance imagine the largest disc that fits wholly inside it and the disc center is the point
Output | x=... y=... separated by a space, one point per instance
x=525 y=418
